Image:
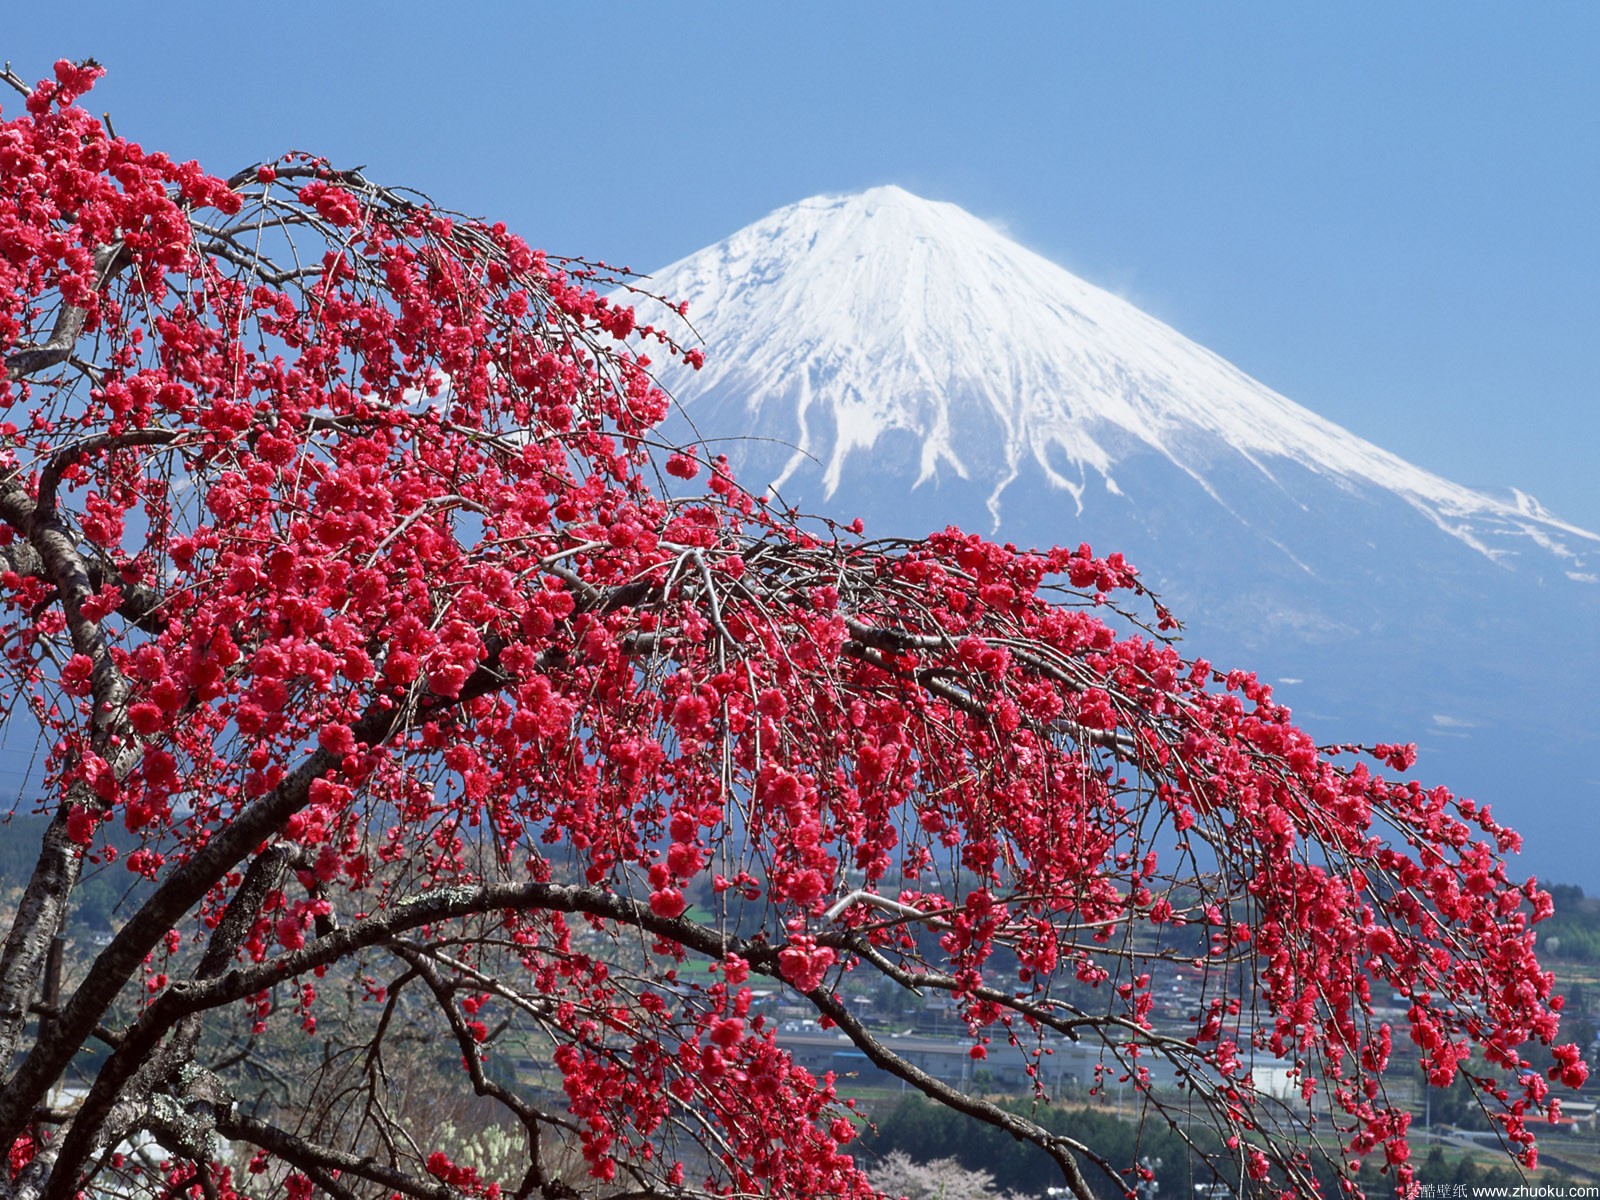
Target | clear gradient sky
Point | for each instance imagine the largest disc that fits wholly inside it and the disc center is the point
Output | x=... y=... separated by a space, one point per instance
x=1390 y=213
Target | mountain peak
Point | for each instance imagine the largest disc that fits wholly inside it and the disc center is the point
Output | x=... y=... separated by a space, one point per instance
x=843 y=325
x=886 y=197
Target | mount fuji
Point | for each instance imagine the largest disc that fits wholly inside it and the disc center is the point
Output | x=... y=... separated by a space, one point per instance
x=899 y=359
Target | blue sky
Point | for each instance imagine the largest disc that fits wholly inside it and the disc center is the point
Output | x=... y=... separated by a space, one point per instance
x=1387 y=212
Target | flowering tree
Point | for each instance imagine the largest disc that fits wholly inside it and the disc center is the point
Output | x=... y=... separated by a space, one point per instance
x=941 y=1179
x=416 y=708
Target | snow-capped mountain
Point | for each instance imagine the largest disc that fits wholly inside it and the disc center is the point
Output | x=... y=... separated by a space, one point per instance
x=840 y=320
x=897 y=358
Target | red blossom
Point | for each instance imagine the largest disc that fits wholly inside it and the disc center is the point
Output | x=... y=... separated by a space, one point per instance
x=667 y=902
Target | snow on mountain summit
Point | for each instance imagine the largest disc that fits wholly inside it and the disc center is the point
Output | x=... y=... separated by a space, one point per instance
x=839 y=321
